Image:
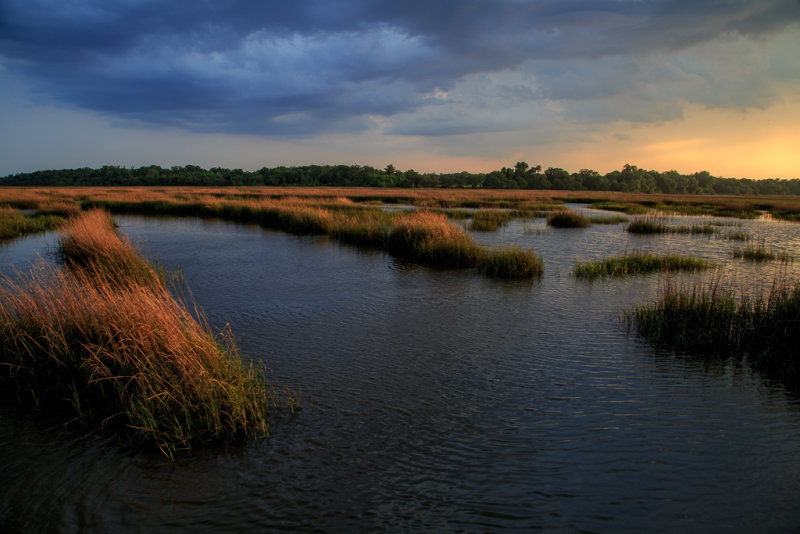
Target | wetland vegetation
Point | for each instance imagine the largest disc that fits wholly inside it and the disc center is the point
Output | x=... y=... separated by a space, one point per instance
x=102 y=271
x=639 y=263
x=760 y=329
x=413 y=360
x=101 y=340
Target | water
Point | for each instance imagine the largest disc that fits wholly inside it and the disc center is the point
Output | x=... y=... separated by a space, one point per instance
x=435 y=401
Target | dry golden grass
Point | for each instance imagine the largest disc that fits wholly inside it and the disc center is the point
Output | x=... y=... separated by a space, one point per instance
x=95 y=340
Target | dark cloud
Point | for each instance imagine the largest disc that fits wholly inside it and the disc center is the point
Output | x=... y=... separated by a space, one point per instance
x=294 y=68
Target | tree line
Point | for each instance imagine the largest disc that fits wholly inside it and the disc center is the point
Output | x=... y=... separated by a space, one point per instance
x=521 y=176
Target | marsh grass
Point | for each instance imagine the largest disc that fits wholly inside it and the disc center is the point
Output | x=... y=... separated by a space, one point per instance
x=639 y=263
x=513 y=262
x=761 y=329
x=625 y=207
x=648 y=224
x=14 y=224
x=760 y=252
x=489 y=220
x=608 y=219
x=107 y=350
x=568 y=219
x=91 y=241
x=733 y=235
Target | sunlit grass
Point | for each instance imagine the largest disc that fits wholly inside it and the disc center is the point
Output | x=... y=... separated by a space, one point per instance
x=96 y=343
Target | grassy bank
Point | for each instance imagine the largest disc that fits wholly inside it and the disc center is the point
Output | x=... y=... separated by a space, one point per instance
x=761 y=330
x=108 y=346
x=638 y=263
x=14 y=224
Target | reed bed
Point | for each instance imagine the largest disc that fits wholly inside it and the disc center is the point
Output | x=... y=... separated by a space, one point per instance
x=648 y=224
x=513 y=262
x=624 y=207
x=14 y=224
x=91 y=241
x=423 y=235
x=109 y=351
x=489 y=220
x=760 y=329
x=608 y=219
x=761 y=253
x=639 y=263
x=568 y=219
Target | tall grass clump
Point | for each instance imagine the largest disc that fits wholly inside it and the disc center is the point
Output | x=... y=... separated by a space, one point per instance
x=568 y=219
x=761 y=330
x=14 y=224
x=639 y=263
x=428 y=237
x=91 y=241
x=125 y=356
x=513 y=262
x=489 y=220
x=648 y=224
x=761 y=253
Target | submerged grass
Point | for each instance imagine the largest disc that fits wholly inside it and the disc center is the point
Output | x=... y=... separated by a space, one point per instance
x=111 y=351
x=713 y=320
x=639 y=263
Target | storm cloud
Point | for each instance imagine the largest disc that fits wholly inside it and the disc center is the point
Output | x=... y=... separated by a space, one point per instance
x=302 y=68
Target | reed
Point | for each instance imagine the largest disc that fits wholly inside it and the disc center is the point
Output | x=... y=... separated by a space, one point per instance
x=761 y=329
x=91 y=241
x=429 y=238
x=608 y=219
x=489 y=220
x=124 y=356
x=624 y=207
x=14 y=224
x=639 y=263
x=759 y=252
x=648 y=224
x=513 y=262
x=568 y=219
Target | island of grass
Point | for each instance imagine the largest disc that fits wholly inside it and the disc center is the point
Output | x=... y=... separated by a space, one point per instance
x=639 y=263
x=101 y=340
x=568 y=219
x=14 y=224
x=761 y=330
x=761 y=253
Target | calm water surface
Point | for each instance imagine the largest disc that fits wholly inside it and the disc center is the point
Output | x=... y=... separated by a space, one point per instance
x=435 y=401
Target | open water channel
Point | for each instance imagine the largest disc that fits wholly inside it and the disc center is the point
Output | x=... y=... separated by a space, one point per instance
x=436 y=401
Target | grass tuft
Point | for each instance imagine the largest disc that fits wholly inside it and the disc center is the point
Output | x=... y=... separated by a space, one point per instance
x=568 y=219
x=713 y=320
x=113 y=349
x=638 y=263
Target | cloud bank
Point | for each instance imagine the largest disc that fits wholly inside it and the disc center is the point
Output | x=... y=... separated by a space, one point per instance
x=411 y=68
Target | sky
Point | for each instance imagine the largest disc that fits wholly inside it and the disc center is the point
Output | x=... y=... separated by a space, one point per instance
x=433 y=85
